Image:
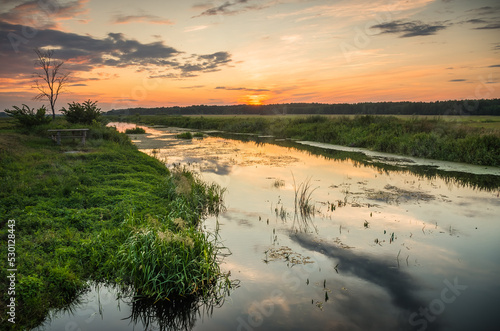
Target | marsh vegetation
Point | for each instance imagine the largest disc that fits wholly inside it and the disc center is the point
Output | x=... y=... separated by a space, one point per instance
x=103 y=212
x=136 y=130
x=434 y=138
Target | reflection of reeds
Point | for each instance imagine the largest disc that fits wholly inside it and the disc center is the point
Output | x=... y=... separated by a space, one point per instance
x=281 y=212
x=303 y=200
x=179 y=314
x=304 y=204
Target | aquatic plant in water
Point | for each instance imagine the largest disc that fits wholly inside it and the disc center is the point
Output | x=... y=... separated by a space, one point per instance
x=185 y=135
x=136 y=130
x=161 y=263
x=303 y=200
x=304 y=205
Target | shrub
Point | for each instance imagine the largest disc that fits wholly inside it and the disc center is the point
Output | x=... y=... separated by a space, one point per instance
x=85 y=113
x=136 y=130
x=185 y=135
x=27 y=117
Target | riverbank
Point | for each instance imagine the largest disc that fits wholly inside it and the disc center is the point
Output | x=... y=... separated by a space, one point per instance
x=103 y=212
x=433 y=138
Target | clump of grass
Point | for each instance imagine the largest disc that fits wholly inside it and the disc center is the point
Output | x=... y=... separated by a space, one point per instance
x=163 y=264
x=303 y=200
x=185 y=135
x=199 y=198
x=304 y=205
x=136 y=130
x=198 y=135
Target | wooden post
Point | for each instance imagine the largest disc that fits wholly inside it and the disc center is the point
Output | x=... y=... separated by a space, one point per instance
x=58 y=139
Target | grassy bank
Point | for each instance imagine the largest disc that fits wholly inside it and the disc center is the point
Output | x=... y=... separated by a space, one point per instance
x=100 y=213
x=433 y=138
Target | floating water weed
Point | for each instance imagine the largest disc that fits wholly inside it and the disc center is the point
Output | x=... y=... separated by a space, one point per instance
x=278 y=183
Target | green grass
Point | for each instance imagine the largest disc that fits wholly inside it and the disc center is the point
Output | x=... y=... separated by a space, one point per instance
x=185 y=135
x=102 y=213
x=458 y=139
x=136 y=130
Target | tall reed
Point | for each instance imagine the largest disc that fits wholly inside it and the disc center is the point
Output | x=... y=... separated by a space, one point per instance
x=304 y=205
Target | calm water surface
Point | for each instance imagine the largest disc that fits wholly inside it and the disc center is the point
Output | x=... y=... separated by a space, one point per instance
x=381 y=250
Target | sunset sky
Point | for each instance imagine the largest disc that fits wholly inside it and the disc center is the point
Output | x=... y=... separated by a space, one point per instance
x=153 y=53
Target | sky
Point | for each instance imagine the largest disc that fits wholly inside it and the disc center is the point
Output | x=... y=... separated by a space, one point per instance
x=155 y=53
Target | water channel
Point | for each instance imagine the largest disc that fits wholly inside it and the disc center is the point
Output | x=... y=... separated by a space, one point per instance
x=384 y=243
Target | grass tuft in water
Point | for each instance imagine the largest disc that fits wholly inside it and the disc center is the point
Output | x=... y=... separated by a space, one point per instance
x=136 y=130
x=304 y=205
x=185 y=135
x=162 y=263
x=303 y=201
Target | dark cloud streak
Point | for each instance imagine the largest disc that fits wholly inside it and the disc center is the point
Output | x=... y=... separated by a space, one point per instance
x=410 y=29
x=488 y=17
x=491 y=26
x=241 y=89
x=223 y=9
x=124 y=19
x=230 y=8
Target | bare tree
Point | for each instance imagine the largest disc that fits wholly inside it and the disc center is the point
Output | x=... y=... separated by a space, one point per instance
x=51 y=81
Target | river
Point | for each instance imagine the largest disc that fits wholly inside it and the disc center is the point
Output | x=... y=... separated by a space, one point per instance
x=379 y=242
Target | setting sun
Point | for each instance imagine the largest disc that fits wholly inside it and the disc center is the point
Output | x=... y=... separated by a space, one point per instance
x=253 y=99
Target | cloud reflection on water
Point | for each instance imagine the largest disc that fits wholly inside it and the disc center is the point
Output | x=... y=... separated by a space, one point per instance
x=399 y=285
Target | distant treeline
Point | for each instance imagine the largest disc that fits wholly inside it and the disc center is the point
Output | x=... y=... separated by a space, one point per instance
x=452 y=107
